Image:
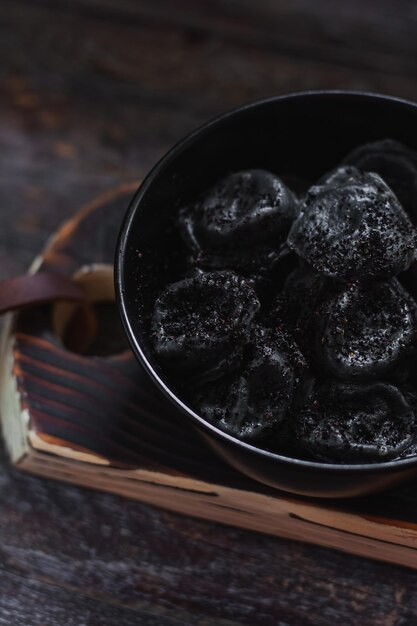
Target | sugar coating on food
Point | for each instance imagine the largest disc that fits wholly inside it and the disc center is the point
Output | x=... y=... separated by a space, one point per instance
x=202 y=323
x=396 y=164
x=273 y=376
x=240 y=223
x=364 y=330
x=353 y=225
x=292 y=328
x=355 y=422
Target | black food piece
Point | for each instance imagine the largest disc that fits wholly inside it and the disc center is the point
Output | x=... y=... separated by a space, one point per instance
x=273 y=380
x=240 y=223
x=252 y=205
x=355 y=423
x=202 y=323
x=396 y=164
x=353 y=227
x=364 y=330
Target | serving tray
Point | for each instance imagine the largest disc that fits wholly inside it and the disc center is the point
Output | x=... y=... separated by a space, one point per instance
x=94 y=419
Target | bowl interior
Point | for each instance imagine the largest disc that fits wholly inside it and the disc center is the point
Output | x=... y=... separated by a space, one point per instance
x=303 y=135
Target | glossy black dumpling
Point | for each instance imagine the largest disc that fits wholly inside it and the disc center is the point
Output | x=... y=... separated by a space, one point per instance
x=251 y=205
x=396 y=164
x=355 y=423
x=203 y=322
x=240 y=223
x=274 y=379
x=365 y=330
x=353 y=227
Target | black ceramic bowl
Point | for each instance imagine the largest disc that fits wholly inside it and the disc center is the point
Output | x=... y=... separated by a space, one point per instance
x=304 y=134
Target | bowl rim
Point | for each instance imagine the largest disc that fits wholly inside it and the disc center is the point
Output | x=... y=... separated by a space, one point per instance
x=120 y=288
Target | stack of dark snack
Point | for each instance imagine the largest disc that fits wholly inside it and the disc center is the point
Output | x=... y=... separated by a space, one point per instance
x=296 y=326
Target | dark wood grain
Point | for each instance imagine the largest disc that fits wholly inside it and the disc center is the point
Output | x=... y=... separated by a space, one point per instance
x=67 y=542
x=92 y=93
x=62 y=544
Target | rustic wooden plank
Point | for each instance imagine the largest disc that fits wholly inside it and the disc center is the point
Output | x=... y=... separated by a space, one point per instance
x=286 y=517
x=45 y=604
x=215 y=69
x=371 y=35
x=95 y=101
x=131 y=555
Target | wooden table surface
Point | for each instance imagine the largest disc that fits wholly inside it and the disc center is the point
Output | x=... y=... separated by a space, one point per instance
x=92 y=93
